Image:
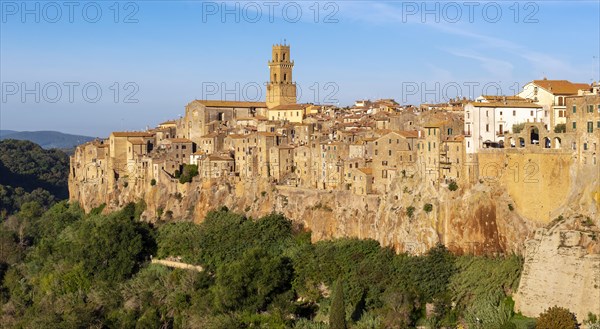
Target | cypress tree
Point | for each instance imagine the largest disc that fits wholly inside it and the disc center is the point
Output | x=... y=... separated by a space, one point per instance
x=337 y=312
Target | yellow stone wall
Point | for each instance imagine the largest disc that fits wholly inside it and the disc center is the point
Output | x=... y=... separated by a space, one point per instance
x=538 y=182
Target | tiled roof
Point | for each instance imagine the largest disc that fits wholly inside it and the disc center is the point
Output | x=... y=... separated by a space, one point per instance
x=131 y=134
x=497 y=104
x=217 y=103
x=178 y=140
x=562 y=87
x=289 y=107
x=366 y=171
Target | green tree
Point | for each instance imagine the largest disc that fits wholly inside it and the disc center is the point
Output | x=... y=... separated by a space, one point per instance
x=337 y=312
x=557 y=318
x=188 y=172
x=252 y=282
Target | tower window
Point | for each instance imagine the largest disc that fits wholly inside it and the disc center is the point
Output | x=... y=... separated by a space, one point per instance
x=283 y=57
x=285 y=77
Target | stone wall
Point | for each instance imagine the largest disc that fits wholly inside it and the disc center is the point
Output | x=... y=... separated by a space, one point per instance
x=538 y=181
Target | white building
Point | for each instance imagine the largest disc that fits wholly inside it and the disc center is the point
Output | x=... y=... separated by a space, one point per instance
x=487 y=122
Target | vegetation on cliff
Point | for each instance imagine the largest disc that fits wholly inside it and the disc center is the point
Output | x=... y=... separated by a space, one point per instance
x=69 y=269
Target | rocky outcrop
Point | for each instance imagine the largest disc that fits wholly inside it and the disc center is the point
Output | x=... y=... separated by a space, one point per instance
x=562 y=267
x=475 y=220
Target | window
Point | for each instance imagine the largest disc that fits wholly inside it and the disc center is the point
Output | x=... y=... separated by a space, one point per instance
x=590 y=127
x=486 y=114
x=429 y=146
x=591 y=108
x=574 y=108
x=390 y=152
x=530 y=113
x=500 y=112
x=585 y=146
x=574 y=125
x=598 y=124
x=514 y=113
x=487 y=128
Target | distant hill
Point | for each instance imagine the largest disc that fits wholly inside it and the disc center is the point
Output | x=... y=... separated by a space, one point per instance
x=46 y=139
x=6 y=132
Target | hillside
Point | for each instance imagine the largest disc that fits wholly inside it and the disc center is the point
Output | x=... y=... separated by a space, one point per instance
x=46 y=139
x=30 y=173
x=94 y=270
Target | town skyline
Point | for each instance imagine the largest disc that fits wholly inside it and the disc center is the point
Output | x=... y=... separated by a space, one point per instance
x=179 y=71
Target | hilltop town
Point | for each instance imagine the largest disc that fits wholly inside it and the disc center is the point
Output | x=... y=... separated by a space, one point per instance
x=362 y=148
x=495 y=175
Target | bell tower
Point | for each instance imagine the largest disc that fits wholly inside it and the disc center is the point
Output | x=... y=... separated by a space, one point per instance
x=281 y=90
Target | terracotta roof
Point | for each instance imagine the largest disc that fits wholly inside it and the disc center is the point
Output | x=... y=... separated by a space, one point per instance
x=210 y=135
x=268 y=134
x=217 y=103
x=131 y=134
x=288 y=107
x=409 y=134
x=178 y=140
x=562 y=87
x=137 y=141
x=515 y=104
x=366 y=171
x=219 y=158
x=236 y=136
x=500 y=98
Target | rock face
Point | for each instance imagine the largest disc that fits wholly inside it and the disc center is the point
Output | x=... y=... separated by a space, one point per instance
x=562 y=267
x=488 y=217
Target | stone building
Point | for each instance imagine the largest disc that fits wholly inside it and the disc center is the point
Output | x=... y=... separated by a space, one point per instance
x=583 y=120
x=281 y=88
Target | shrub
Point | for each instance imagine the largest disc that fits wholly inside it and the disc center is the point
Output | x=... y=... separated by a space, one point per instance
x=428 y=207
x=587 y=222
x=153 y=182
x=560 y=128
x=557 y=318
x=188 y=172
x=410 y=211
x=518 y=127
x=453 y=186
x=511 y=207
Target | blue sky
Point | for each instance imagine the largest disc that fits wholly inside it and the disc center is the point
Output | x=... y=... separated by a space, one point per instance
x=160 y=55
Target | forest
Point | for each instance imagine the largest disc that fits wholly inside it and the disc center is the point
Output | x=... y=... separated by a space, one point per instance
x=65 y=269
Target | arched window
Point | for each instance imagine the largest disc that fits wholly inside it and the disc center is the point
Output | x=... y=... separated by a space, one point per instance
x=275 y=77
x=283 y=57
